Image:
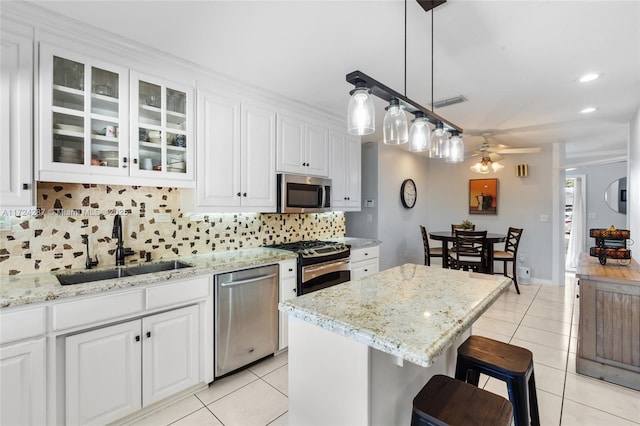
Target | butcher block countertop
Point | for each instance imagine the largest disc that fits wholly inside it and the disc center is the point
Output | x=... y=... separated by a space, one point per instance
x=411 y=311
x=613 y=271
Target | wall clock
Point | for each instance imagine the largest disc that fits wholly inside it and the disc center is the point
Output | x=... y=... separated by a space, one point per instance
x=408 y=193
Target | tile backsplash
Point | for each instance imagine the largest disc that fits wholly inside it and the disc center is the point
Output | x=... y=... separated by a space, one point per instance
x=152 y=222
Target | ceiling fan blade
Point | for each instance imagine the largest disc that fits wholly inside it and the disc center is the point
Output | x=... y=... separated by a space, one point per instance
x=494 y=156
x=517 y=150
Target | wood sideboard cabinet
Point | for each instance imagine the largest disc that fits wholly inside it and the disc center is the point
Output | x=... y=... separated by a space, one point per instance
x=609 y=328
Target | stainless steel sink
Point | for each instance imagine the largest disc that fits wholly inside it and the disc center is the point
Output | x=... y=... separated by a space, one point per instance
x=91 y=276
x=157 y=267
x=87 y=277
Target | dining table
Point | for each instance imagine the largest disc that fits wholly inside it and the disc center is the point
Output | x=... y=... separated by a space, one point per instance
x=447 y=236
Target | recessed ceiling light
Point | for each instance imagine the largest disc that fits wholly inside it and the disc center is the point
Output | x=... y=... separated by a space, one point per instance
x=588 y=110
x=589 y=77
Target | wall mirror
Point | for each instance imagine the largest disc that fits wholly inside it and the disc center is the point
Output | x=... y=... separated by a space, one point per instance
x=616 y=195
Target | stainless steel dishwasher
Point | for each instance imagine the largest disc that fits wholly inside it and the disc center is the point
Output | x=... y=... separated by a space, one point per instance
x=246 y=317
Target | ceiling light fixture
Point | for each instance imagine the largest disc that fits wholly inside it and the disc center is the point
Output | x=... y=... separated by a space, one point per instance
x=486 y=165
x=589 y=77
x=394 y=125
x=361 y=112
x=420 y=133
x=588 y=110
x=456 y=148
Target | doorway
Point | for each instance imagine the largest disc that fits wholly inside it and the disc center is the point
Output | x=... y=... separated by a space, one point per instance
x=574 y=219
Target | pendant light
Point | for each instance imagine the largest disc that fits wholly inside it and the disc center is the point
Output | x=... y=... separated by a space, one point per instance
x=439 y=142
x=420 y=134
x=395 y=124
x=456 y=148
x=361 y=113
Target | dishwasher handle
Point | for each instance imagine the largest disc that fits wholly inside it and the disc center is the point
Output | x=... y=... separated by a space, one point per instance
x=248 y=280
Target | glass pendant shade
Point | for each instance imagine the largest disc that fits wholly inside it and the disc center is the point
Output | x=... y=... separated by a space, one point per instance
x=420 y=134
x=439 y=142
x=395 y=127
x=361 y=113
x=496 y=167
x=456 y=148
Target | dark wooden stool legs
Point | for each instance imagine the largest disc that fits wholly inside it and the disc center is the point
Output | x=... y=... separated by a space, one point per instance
x=509 y=363
x=446 y=401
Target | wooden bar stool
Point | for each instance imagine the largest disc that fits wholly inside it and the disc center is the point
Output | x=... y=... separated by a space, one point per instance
x=509 y=363
x=446 y=401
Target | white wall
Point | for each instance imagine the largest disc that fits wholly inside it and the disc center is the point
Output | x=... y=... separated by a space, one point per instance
x=396 y=226
x=364 y=224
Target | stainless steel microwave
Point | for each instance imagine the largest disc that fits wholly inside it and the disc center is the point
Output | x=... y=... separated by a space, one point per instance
x=303 y=194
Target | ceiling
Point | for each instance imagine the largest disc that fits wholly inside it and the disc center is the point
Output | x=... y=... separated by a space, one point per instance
x=515 y=61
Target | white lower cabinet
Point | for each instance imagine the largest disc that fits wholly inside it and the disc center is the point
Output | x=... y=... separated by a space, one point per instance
x=23 y=384
x=288 y=290
x=364 y=262
x=114 y=371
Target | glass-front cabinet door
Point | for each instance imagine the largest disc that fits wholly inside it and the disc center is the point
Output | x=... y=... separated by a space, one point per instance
x=161 y=129
x=84 y=115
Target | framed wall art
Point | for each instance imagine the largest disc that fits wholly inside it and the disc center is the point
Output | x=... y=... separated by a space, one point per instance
x=483 y=196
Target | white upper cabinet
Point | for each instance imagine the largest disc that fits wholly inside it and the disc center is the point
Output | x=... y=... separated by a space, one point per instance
x=84 y=117
x=302 y=148
x=236 y=154
x=102 y=123
x=16 y=120
x=161 y=131
x=345 y=171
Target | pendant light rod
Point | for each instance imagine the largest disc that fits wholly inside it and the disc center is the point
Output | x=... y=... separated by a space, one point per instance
x=386 y=93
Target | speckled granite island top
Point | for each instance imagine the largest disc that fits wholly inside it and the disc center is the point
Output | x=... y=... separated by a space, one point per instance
x=416 y=317
x=33 y=288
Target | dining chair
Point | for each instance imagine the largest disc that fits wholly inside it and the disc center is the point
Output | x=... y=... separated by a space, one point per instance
x=429 y=252
x=469 y=251
x=509 y=254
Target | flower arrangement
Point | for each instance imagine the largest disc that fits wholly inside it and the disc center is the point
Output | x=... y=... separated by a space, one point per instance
x=466 y=224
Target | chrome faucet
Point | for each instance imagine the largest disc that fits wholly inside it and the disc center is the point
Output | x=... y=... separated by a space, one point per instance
x=121 y=252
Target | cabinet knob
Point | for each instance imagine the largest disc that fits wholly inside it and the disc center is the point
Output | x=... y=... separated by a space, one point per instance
x=366 y=270
x=137 y=338
x=294 y=290
x=244 y=194
x=239 y=194
x=290 y=269
x=366 y=254
x=148 y=334
x=25 y=186
x=577 y=296
x=124 y=159
x=135 y=161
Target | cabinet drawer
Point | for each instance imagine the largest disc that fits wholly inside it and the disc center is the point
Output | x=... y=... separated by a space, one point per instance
x=365 y=254
x=287 y=269
x=22 y=324
x=95 y=309
x=177 y=292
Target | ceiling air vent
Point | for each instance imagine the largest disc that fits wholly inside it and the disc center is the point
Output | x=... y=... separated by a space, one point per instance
x=450 y=101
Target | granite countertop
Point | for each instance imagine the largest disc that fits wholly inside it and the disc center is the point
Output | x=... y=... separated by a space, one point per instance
x=25 y=289
x=357 y=243
x=416 y=317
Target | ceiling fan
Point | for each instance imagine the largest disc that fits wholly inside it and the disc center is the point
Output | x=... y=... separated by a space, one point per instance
x=491 y=155
x=493 y=151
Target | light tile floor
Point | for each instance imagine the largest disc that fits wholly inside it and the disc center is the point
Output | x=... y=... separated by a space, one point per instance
x=542 y=319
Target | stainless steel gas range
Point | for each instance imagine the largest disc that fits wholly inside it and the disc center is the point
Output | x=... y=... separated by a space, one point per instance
x=321 y=264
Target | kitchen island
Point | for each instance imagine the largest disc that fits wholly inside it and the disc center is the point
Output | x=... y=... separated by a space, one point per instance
x=360 y=351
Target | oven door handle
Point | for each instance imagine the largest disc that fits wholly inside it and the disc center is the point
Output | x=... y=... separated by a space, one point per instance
x=313 y=271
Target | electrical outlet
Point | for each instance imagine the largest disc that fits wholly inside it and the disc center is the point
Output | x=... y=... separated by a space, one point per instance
x=369 y=203
x=369 y=217
x=521 y=257
x=162 y=217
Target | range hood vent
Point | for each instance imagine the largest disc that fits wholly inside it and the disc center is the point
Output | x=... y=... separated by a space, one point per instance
x=450 y=101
